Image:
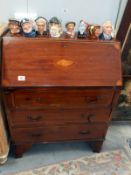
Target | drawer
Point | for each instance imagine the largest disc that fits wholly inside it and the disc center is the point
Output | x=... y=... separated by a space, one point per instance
x=60 y=98
x=59 y=133
x=30 y=118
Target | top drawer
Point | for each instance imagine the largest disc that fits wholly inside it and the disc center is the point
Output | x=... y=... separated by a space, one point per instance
x=59 y=98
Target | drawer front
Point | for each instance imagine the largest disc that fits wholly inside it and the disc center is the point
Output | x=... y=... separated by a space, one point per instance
x=30 y=118
x=59 y=133
x=60 y=98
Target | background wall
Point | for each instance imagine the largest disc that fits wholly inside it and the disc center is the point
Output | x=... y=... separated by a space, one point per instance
x=93 y=11
x=121 y=11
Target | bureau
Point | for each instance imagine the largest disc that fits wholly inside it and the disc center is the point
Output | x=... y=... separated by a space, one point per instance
x=59 y=89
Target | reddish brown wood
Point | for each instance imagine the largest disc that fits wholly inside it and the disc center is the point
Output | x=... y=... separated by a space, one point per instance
x=31 y=118
x=96 y=146
x=69 y=92
x=47 y=62
x=59 y=133
x=20 y=149
x=60 y=97
x=117 y=93
x=115 y=98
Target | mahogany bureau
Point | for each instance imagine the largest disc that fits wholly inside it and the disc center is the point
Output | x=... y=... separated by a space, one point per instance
x=59 y=89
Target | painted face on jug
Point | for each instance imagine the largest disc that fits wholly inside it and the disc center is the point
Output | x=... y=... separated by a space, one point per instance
x=55 y=30
x=27 y=27
x=41 y=25
x=82 y=27
x=55 y=27
x=14 y=27
x=97 y=31
x=107 y=28
x=70 y=27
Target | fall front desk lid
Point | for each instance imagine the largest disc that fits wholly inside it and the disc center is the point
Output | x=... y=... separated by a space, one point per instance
x=60 y=62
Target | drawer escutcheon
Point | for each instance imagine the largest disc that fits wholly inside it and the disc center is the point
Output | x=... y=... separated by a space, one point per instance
x=34 y=118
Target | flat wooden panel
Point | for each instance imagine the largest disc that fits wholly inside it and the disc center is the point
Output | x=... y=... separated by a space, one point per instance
x=60 y=98
x=48 y=62
x=32 y=118
x=59 y=133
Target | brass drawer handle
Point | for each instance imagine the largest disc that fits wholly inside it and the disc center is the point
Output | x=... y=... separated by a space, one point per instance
x=91 y=99
x=39 y=99
x=84 y=132
x=88 y=116
x=28 y=99
x=34 y=118
x=36 y=135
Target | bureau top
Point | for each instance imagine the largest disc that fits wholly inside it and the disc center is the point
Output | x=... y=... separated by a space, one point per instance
x=40 y=62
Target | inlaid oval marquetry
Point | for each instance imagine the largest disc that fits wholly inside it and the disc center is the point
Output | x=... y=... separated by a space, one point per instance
x=65 y=62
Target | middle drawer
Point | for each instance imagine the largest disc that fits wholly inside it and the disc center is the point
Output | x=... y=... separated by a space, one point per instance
x=29 y=118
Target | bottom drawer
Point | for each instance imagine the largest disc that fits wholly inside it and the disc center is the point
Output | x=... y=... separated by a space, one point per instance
x=59 y=133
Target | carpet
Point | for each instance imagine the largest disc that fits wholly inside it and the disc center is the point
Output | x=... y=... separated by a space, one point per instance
x=128 y=145
x=115 y=162
x=129 y=142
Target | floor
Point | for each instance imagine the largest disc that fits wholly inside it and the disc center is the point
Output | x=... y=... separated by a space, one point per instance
x=45 y=154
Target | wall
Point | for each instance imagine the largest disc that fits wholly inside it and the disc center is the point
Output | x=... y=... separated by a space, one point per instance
x=121 y=11
x=93 y=11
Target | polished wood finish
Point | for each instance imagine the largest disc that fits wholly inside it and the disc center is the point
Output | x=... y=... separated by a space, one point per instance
x=68 y=91
x=59 y=97
x=96 y=145
x=21 y=118
x=58 y=62
x=61 y=132
x=20 y=149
